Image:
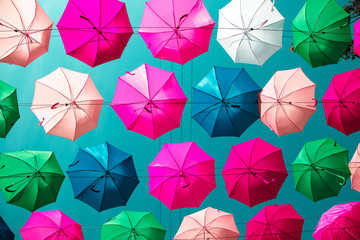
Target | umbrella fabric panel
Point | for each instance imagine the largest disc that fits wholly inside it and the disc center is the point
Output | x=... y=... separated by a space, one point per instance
x=354 y=169
x=356 y=38
x=5 y=232
x=9 y=110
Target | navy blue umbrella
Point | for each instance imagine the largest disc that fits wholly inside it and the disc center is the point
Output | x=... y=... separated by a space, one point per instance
x=103 y=176
x=225 y=102
x=5 y=232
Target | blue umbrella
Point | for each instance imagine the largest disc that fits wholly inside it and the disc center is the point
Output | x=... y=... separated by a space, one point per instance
x=103 y=176
x=5 y=232
x=225 y=102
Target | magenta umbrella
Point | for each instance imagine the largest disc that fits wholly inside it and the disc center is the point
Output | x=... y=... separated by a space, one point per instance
x=280 y=222
x=181 y=175
x=95 y=31
x=254 y=172
x=48 y=225
x=149 y=101
x=177 y=30
x=357 y=37
x=339 y=222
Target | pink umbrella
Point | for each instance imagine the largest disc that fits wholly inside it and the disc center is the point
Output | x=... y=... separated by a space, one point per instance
x=181 y=175
x=177 y=30
x=95 y=31
x=287 y=101
x=341 y=102
x=354 y=166
x=51 y=225
x=206 y=224
x=357 y=37
x=339 y=222
x=67 y=103
x=25 y=31
x=279 y=222
x=254 y=172
x=149 y=101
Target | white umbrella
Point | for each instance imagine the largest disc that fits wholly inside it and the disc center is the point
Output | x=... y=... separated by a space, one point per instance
x=250 y=31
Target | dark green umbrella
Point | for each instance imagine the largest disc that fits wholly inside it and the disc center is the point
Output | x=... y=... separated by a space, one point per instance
x=321 y=169
x=133 y=226
x=321 y=32
x=30 y=179
x=9 y=111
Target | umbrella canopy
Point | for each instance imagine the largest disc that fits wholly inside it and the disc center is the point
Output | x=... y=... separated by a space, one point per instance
x=225 y=102
x=357 y=37
x=208 y=223
x=133 y=225
x=51 y=225
x=354 y=166
x=9 y=110
x=149 y=101
x=341 y=102
x=321 y=32
x=250 y=31
x=287 y=101
x=254 y=172
x=103 y=176
x=95 y=31
x=25 y=31
x=339 y=222
x=177 y=30
x=279 y=222
x=5 y=232
x=181 y=175
x=30 y=179
x=67 y=103
x=321 y=169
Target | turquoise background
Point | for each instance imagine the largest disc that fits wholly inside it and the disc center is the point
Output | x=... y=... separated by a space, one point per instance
x=27 y=135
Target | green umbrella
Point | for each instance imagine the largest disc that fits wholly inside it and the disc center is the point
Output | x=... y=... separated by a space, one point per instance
x=133 y=226
x=30 y=179
x=9 y=111
x=321 y=32
x=321 y=169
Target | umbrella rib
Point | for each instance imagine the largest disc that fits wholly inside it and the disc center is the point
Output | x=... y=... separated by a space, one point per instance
x=68 y=82
x=147 y=4
x=232 y=123
x=319 y=15
x=299 y=89
x=193 y=42
x=345 y=229
x=21 y=160
x=147 y=99
x=323 y=52
x=200 y=90
x=335 y=194
x=287 y=81
x=207 y=114
x=66 y=110
x=253 y=16
x=216 y=119
x=54 y=90
x=244 y=93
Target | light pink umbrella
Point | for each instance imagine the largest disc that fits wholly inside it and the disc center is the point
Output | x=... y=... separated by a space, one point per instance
x=357 y=37
x=287 y=101
x=181 y=175
x=25 y=31
x=149 y=101
x=341 y=222
x=206 y=224
x=67 y=103
x=177 y=30
x=48 y=225
x=354 y=166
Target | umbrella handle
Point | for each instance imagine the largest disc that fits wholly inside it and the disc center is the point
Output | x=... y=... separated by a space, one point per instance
x=132 y=74
x=74 y=164
x=273 y=5
x=55 y=105
x=8 y=190
x=94 y=190
x=272 y=180
x=182 y=17
x=2 y=166
x=42 y=121
x=315 y=104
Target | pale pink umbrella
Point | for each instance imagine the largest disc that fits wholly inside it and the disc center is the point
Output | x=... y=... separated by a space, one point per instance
x=181 y=175
x=149 y=101
x=67 y=103
x=287 y=101
x=25 y=31
x=206 y=224
x=354 y=166
x=48 y=225
x=177 y=30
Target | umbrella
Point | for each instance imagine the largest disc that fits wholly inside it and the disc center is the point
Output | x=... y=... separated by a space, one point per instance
x=9 y=110
x=5 y=232
x=103 y=176
x=250 y=31
x=341 y=102
x=357 y=38
x=48 y=225
x=225 y=102
x=133 y=225
x=149 y=101
x=254 y=172
x=321 y=169
x=177 y=30
x=279 y=222
x=66 y=103
x=25 y=31
x=339 y=222
x=287 y=101
x=181 y=175
x=354 y=166
x=321 y=32
x=208 y=223
x=30 y=179
x=95 y=31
